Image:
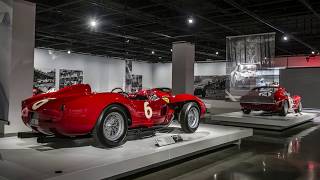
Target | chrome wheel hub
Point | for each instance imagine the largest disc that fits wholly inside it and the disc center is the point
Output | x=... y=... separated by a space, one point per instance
x=193 y=117
x=113 y=126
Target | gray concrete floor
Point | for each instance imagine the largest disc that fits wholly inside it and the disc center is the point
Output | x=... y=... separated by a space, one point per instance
x=291 y=154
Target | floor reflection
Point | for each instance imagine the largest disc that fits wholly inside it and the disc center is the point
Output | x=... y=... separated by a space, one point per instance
x=268 y=155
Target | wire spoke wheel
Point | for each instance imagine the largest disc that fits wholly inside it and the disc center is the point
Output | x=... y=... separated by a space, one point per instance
x=193 y=117
x=113 y=126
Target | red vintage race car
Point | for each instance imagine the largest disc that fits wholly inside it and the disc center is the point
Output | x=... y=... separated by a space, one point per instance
x=75 y=111
x=272 y=99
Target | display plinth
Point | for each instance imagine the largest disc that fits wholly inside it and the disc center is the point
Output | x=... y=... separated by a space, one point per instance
x=261 y=120
x=80 y=160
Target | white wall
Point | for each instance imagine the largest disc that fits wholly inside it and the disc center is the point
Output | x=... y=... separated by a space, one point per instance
x=144 y=69
x=101 y=73
x=162 y=72
x=104 y=74
x=209 y=69
x=162 y=75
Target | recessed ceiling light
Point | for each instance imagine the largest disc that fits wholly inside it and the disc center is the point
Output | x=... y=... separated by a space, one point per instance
x=217 y=53
x=152 y=52
x=160 y=57
x=50 y=52
x=69 y=52
x=93 y=23
x=286 y=38
x=127 y=41
x=171 y=50
x=312 y=52
x=190 y=20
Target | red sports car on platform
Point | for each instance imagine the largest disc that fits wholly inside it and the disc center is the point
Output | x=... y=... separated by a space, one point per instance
x=272 y=99
x=75 y=111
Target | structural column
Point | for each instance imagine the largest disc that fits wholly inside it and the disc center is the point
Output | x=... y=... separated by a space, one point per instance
x=183 y=54
x=19 y=81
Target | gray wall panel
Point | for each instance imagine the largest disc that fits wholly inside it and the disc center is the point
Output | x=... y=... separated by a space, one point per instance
x=304 y=82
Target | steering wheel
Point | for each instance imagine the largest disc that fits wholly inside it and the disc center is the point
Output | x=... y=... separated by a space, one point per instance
x=120 y=91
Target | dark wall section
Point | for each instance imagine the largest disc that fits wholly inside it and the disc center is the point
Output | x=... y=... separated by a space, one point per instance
x=304 y=82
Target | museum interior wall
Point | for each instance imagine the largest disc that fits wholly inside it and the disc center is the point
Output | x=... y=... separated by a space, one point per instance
x=305 y=83
x=104 y=74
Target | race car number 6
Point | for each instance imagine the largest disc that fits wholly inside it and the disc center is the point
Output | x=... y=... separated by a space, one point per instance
x=147 y=110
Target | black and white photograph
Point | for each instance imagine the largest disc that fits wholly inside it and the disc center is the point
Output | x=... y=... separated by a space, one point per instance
x=44 y=80
x=212 y=87
x=70 y=77
x=136 y=83
x=129 y=76
x=245 y=56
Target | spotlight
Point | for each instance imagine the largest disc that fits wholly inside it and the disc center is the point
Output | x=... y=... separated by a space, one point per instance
x=69 y=52
x=217 y=53
x=190 y=20
x=285 y=38
x=152 y=52
x=171 y=50
x=312 y=52
x=93 y=23
x=50 y=52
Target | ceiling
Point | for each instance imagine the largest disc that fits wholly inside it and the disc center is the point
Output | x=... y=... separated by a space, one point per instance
x=135 y=28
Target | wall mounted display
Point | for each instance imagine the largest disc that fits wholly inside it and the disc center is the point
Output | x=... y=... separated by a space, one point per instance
x=246 y=56
x=136 y=83
x=212 y=87
x=44 y=79
x=70 y=77
x=133 y=82
x=128 y=80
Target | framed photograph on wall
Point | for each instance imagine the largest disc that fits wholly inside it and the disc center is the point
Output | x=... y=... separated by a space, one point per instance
x=70 y=77
x=136 y=83
x=44 y=80
x=211 y=87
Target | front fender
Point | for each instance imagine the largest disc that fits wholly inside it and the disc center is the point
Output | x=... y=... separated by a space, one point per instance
x=182 y=98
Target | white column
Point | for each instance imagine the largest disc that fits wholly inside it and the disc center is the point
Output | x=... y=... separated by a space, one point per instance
x=21 y=63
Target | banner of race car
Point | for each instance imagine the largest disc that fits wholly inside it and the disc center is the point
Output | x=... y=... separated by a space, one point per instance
x=249 y=62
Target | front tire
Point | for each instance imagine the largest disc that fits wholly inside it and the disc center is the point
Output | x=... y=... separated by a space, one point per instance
x=189 y=117
x=285 y=108
x=112 y=127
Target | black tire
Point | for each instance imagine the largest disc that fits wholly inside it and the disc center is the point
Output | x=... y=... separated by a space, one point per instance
x=284 y=109
x=246 y=111
x=299 y=109
x=98 y=132
x=187 y=108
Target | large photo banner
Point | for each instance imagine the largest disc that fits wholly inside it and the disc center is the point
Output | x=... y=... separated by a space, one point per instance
x=249 y=62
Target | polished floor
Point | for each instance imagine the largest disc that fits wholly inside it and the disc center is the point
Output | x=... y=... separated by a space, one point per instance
x=268 y=155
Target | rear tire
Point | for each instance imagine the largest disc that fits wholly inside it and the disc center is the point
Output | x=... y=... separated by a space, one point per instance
x=246 y=111
x=299 y=109
x=189 y=117
x=285 y=107
x=111 y=127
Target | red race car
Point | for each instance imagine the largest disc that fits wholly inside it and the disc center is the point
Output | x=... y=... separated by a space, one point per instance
x=75 y=111
x=272 y=99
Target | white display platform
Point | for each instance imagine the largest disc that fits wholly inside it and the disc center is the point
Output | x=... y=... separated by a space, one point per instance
x=25 y=158
x=261 y=119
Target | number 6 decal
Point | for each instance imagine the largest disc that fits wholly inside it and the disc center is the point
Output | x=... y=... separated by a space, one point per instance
x=147 y=110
